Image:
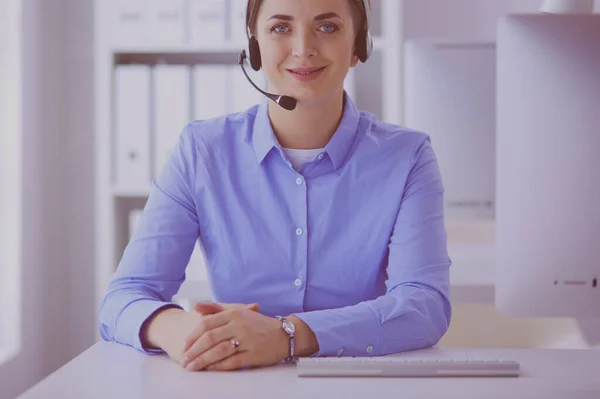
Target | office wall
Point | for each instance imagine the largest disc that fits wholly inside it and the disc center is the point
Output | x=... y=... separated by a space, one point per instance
x=79 y=170
x=58 y=308
x=43 y=227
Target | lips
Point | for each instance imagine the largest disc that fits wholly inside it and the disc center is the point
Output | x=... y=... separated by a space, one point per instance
x=305 y=70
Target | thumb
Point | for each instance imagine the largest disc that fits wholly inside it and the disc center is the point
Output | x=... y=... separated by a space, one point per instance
x=206 y=308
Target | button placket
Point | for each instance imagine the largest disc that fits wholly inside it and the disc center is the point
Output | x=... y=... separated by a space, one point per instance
x=301 y=218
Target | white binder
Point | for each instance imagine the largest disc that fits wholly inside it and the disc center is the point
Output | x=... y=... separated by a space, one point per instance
x=130 y=22
x=243 y=94
x=207 y=22
x=134 y=221
x=171 y=109
x=132 y=126
x=168 y=20
x=210 y=91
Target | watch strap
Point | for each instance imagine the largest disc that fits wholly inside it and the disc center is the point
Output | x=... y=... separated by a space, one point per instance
x=292 y=339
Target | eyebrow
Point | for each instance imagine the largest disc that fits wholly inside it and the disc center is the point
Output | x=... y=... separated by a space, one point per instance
x=319 y=17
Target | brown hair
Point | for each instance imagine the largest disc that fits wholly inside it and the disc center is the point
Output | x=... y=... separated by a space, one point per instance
x=360 y=14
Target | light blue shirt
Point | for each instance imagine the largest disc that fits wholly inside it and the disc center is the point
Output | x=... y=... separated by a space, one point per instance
x=354 y=243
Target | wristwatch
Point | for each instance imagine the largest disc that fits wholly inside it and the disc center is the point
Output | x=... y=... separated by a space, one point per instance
x=290 y=330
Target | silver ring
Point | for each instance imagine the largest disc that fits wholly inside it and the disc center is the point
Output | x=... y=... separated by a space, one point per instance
x=235 y=344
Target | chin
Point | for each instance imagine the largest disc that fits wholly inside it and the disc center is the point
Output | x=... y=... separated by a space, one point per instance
x=317 y=95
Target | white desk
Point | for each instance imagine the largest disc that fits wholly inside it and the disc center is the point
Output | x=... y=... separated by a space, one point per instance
x=109 y=370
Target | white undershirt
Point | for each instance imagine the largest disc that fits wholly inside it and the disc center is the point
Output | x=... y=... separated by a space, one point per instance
x=300 y=157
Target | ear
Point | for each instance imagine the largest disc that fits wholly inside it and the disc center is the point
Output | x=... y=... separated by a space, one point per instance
x=354 y=61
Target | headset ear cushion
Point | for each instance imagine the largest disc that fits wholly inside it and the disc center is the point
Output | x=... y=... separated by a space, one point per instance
x=361 y=46
x=254 y=54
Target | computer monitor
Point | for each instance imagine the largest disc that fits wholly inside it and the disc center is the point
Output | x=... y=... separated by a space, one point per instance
x=548 y=166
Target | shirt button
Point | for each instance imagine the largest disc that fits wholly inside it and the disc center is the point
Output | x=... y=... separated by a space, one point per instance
x=299 y=232
x=369 y=349
x=299 y=181
x=298 y=282
x=320 y=156
x=341 y=352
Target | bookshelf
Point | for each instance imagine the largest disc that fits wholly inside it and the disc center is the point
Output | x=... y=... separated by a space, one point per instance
x=126 y=34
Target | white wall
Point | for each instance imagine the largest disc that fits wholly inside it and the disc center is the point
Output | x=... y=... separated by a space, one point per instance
x=79 y=172
x=10 y=197
x=58 y=308
x=42 y=210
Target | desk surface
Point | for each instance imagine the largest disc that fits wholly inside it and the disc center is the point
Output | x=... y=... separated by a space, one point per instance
x=109 y=370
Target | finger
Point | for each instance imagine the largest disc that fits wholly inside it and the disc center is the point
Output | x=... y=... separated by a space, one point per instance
x=233 y=362
x=206 y=324
x=206 y=308
x=206 y=341
x=254 y=306
x=214 y=354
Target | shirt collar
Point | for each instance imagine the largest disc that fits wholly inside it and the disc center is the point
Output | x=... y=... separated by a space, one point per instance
x=340 y=143
x=264 y=139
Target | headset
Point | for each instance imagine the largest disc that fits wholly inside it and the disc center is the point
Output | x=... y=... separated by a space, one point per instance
x=364 y=49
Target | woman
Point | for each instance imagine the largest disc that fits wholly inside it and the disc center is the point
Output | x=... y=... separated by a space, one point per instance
x=323 y=215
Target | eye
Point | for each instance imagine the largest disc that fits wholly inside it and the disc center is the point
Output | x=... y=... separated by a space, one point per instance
x=328 y=28
x=279 y=29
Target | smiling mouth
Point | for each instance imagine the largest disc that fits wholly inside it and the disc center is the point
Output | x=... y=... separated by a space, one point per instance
x=305 y=71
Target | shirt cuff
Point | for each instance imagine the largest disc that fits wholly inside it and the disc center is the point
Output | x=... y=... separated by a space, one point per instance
x=351 y=331
x=132 y=319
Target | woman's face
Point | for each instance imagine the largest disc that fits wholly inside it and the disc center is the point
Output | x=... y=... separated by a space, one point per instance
x=307 y=47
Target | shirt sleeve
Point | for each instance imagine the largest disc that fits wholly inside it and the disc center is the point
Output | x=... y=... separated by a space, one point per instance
x=415 y=312
x=153 y=264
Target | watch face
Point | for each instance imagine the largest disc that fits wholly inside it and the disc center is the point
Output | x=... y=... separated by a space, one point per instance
x=289 y=327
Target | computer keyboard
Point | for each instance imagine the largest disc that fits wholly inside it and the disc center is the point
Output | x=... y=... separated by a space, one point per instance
x=386 y=366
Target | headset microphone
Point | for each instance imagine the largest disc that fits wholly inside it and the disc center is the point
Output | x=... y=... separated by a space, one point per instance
x=286 y=102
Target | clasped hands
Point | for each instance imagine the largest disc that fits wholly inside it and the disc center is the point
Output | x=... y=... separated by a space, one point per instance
x=230 y=337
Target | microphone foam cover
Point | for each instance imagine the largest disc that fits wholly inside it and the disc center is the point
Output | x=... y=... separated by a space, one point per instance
x=288 y=102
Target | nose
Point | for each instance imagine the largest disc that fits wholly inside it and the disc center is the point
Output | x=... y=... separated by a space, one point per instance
x=305 y=44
